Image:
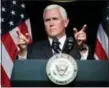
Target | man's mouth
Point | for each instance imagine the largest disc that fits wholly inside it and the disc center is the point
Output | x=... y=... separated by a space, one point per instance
x=52 y=30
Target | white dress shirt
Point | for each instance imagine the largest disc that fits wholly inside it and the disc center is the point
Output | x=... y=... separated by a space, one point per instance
x=61 y=45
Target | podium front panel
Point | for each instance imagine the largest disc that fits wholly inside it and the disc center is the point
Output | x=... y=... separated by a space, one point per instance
x=33 y=73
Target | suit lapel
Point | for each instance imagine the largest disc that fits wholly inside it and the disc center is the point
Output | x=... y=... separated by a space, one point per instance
x=46 y=48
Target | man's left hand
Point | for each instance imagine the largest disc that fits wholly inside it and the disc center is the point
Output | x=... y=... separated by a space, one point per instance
x=80 y=36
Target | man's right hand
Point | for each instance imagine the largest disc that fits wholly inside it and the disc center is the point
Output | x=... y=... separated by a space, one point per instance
x=22 y=42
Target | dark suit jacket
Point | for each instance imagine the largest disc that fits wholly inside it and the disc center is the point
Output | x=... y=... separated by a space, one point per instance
x=43 y=50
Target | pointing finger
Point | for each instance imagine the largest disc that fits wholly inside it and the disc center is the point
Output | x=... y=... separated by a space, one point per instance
x=18 y=32
x=84 y=28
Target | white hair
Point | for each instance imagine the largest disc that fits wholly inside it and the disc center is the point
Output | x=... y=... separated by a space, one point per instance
x=60 y=8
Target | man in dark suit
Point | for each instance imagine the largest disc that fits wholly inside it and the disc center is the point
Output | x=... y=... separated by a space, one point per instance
x=55 y=21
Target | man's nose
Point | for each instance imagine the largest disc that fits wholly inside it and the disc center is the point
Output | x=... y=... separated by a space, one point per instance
x=51 y=23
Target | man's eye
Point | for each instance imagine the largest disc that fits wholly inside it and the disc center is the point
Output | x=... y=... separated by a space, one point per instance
x=46 y=20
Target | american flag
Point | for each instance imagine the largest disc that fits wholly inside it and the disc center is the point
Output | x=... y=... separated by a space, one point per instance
x=102 y=42
x=13 y=17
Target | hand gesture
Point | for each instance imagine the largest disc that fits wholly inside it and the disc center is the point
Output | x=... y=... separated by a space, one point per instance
x=80 y=36
x=22 y=42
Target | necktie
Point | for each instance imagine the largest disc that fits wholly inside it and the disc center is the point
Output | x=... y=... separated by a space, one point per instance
x=55 y=45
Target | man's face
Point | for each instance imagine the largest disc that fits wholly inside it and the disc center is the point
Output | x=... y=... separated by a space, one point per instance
x=54 y=23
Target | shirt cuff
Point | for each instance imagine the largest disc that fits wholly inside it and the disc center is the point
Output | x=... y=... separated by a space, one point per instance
x=84 y=53
x=22 y=57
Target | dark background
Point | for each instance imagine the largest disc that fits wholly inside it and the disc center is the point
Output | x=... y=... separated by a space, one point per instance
x=79 y=13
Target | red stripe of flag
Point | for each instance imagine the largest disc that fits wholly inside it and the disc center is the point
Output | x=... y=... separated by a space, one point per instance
x=100 y=52
x=5 y=82
x=10 y=46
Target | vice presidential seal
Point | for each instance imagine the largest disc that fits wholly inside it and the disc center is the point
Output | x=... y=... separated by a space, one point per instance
x=61 y=69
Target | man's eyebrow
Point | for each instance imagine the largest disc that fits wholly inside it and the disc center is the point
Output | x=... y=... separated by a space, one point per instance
x=54 y=18
x=47 y=19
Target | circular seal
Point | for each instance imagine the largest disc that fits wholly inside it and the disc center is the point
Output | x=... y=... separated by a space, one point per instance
x=61 y=69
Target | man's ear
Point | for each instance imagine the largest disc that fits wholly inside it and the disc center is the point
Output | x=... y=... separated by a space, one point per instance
x=66 y=22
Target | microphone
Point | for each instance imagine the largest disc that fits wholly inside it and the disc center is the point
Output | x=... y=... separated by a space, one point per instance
x=55 y=45
x=69 y=45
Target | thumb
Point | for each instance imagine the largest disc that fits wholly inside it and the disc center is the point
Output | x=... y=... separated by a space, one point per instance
x=75 y=30
x=27 y=35
x=29 y=38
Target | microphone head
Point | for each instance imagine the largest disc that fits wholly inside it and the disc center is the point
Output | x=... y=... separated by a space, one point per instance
x=70 y=40
x=69 y=44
